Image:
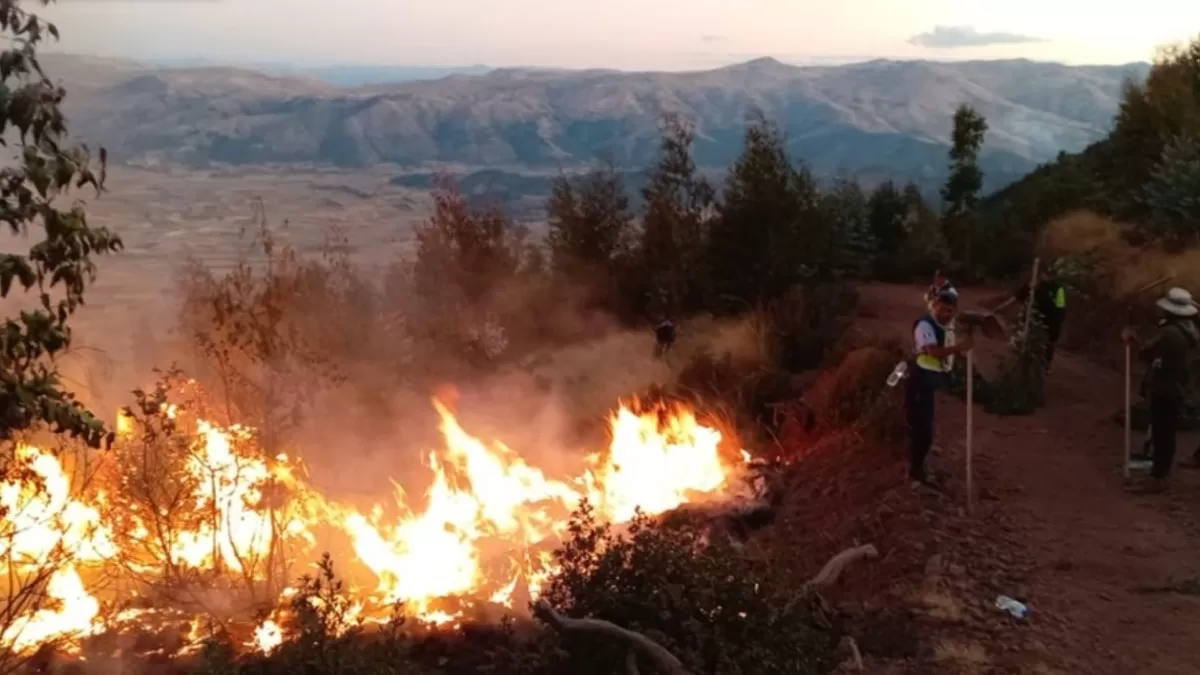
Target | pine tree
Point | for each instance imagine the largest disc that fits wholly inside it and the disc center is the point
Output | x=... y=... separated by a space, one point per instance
x=678 y=209
x=888 y=214
x=851 y=248
x=961 y=192
x=590 y=222
x=1171 y=196
x=755 y=241
x=591 y=234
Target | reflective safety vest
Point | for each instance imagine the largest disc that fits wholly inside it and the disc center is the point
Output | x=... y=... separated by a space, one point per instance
x=945 y=338
x=1060 y=297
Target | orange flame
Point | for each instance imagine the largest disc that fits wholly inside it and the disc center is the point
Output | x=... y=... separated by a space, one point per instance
x=485 y=529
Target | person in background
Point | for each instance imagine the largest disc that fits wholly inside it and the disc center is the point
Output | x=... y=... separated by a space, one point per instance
x=664 y=337
x=1166 y=353
x=1050 y=302
x=940 y=284
x=934 y=349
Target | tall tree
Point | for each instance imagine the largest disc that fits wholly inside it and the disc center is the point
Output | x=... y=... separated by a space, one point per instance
x=463 y=256
x=1171 y=195
x=1151 y=117
x=755 y=245
x=851 y=246
x=961 y=192
x=678 y=208
x=888 y=216
x=59 y=267
x=591 y=230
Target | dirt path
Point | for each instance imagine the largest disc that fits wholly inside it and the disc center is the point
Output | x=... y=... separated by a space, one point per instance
x=1052 y=490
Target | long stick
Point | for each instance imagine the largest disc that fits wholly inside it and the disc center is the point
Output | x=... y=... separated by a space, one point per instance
x=1128 y=406
x=970 y=428
x=1029 y=303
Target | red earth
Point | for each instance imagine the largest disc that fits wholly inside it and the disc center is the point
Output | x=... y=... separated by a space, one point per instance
x=1051 y=525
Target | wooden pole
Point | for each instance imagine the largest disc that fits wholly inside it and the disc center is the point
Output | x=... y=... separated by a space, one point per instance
x=1128 y=406
x=970 y=428
x=1029 y=302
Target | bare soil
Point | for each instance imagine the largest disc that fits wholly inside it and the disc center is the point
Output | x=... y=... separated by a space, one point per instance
x=1051 y=525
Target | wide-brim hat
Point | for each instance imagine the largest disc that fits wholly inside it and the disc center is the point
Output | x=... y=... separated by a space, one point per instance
x=1178 y=302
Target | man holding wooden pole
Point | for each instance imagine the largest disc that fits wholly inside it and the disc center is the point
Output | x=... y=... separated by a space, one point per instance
x=934 y=349
x=1049 y=300
x=1166 y=353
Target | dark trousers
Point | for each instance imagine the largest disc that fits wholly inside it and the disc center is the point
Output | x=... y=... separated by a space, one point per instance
x=1053 y=332
x=919 y=397
x=1164 y=422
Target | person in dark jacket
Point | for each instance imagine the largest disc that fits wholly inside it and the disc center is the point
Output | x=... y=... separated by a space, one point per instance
x=664 y=337
x=1166 y=353
x=1050 y=303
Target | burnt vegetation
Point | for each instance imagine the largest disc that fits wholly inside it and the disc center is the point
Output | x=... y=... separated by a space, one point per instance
x=773 y=248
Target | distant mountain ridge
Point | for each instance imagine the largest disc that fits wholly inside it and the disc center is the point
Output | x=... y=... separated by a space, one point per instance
x=878 y=118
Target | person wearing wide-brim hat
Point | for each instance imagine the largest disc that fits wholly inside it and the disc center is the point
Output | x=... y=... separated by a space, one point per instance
x=1166 y=353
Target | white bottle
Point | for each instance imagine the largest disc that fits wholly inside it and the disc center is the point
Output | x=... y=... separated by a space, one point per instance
x=1007 y=604
x=898 y=374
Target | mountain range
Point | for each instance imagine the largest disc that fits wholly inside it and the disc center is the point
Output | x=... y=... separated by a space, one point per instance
x=878 y=118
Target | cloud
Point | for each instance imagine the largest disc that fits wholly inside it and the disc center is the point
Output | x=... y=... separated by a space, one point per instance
x=712 y=39
x=954 y=37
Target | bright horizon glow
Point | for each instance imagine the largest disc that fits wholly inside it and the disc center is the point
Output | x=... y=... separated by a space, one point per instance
x=619 y=34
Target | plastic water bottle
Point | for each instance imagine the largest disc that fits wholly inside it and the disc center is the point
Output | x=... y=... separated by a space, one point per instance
x=1007 y=604
x=897 y=374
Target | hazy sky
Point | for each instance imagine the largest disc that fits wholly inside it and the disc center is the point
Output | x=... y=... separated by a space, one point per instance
x=628 y=34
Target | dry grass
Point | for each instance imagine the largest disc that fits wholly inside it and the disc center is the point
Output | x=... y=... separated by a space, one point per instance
x=1127 y=267
x=962 y=658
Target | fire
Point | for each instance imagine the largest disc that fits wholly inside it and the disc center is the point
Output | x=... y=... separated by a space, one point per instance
x=482 y=534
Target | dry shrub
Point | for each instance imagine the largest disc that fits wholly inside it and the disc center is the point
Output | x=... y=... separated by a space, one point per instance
x=854 y=394
x=1114 y=272
x=1121 y=267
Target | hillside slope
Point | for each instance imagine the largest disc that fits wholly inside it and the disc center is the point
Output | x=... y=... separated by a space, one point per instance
x=876 y=116
x=1054 y=528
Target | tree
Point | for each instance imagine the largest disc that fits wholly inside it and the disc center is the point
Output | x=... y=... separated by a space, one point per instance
x=1171 y=196
x=464 y=258
x=59 y=267
x=887 y=214
x=961 y=192
x=756 y=240
x=924 y=250
x=1152 y=115
x=591 y=231
x=679 y=204
x=851 y=246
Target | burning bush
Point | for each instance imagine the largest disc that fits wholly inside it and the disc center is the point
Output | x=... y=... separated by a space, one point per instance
x=189 y=519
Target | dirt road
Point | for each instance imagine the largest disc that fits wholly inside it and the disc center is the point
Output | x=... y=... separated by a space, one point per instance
x=1053 y=509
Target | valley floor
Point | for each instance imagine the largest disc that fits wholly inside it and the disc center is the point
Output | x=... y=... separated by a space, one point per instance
x=1054 y=526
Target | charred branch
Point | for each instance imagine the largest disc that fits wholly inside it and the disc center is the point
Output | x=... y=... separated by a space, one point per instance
x=664 y=661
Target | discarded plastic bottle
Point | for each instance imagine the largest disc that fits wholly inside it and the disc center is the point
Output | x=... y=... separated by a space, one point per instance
x=1007 y=604
x=897 y=374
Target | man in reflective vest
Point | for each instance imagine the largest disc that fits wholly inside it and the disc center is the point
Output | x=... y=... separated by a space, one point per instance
x=1050 y=303
x=941 y=284
x=934 y=351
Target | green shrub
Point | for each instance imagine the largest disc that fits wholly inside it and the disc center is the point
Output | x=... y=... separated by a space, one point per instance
x=701 y=601
x=1020 y=386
